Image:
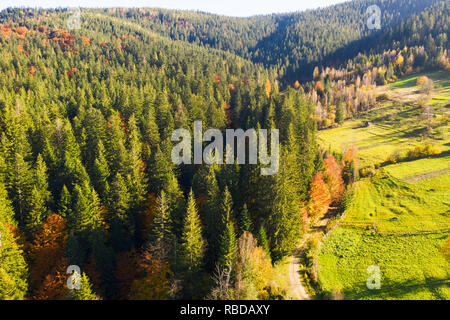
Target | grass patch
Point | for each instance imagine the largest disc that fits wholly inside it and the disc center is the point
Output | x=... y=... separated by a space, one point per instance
x=396 y=125
x=412 y=267
x=390 y=205
x=413 y=168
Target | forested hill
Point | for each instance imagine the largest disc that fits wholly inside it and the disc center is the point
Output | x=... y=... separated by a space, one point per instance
x=86 y=118
x=86 y=177
x=294 y=42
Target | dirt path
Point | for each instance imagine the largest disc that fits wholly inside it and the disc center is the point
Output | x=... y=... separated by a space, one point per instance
x=427 y=175
x=294 y=277
x=296 y=283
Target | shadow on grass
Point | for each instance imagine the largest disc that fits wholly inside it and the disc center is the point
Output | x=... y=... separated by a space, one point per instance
x=397 y=290
x=440 y=155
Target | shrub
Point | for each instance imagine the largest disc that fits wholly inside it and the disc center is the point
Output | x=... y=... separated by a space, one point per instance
x=367 y=172
x=421 y=80
x=417 y=152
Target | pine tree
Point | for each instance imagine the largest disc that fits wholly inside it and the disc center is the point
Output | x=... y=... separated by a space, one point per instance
x=245 y=221
x=6 y=210
x=85 y=292
x=211 y=211
x=34 y=217
x=136 y=179
x=39 y=199
x=122 y=223
x=150 y=129
x=101 y=172
x=86 y=219
x=285 y=219
x=162 y=178
x=20 y=180
x=164 y=117
x=65 y=203
x=339 y=112
x=161 y=234
x=192 y=242
x=13 y=268
x=116 y=152
x=227 y=242
x=262 y=239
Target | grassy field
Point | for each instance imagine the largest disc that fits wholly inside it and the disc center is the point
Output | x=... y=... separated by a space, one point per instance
x=410 y=169
x=390 y=205
x=384 y=222
x=398 y=123
x=411 y=267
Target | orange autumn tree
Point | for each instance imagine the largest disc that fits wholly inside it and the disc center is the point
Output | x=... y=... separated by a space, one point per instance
x=320 y=197
x=153 y=277
x=268 y=88
x=333 y=177
x=350 y=165
x=54 y=284
x=47 y=271
x=446 y=248
x=145 y=217
x=126 y=272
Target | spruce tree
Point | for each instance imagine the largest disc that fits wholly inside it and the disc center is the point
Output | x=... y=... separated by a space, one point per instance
x=245 y=221
x=85 y=292
x=262 y=239
x=161 y=235
x=65 y=203
x=101 y=172
x=136 y=178
x=13 y=268
x=6 y=210
x=227 y=242
x=192 y=242
x=20 y=180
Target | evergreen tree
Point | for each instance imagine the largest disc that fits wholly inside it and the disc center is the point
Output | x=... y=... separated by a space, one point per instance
x=137 y=181
x=20 y=180
x=161 y=231
x=192 y=242
x=339 y=113
x=228 y=244
x=122 y=223
x=13 y=268
x=101 y=172
x=262 y=239
x=85 y=292
x=245 y=221
x=6 y=210
x=65 y=203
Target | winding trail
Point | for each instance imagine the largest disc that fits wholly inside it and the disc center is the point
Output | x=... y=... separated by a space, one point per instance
x=294 y=277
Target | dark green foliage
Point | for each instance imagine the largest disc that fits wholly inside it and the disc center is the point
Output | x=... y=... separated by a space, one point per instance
x=227 y=241
x=85 y=129
x=85 y=292
x=245 y=221
x=13 y=268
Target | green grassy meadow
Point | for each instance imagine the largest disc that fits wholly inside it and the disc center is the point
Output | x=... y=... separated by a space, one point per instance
x=411 y=267
x=396 y=219
x=397 y=124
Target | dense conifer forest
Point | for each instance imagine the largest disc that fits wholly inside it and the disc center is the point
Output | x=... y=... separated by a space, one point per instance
x=87 y=115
